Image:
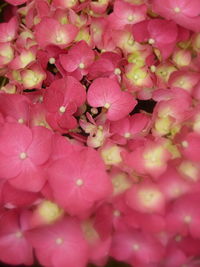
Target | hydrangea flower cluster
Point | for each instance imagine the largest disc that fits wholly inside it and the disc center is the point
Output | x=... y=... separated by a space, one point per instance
x=86 y=171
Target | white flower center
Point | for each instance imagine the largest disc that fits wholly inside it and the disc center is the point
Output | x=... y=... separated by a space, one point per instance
x=116 y=213
x=52 y=60
x=59 y=39
x=136 y=247
x=151 y=41
x=187 y=219
x=177 y=10
x=153 y=68
x=79 y=182
x=23 y=155
x=130 y=18
x=59 y=241
x=107 y=105
x=127 y=135
x=185 y=144
x=62 y=109
x=18 y=234
x=117 y=71
x=20 y=121
x=81 y=65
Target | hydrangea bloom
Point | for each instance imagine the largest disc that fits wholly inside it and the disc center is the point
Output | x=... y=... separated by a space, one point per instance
x=100 y=132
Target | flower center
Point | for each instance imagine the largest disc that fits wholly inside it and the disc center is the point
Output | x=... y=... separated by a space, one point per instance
x=20 y=121
x=187 y=219
x=59 y=241
x=177 y=10
x=116 y=213
x=130 y=41
x=18 y=234
x=62 y=109
x=117 y=71
x=52 y=60
x=130 y=18
x=184 y=144
x=79 y=182
x=136 y=247
x=81 y=65
x=127 y=135
x=151 y=41
x=23 y=155
x=59 y=39
x=107 y=105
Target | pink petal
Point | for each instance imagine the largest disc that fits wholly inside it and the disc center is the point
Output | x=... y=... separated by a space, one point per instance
x=14 y=139
x=17 y=198
x=31 y=178
x=121 y=107
x=40 y=148
x=69 y=62
x=71 y=251
x=163 y=31
x=10 y=166
x=102 y=91
x=8 y=30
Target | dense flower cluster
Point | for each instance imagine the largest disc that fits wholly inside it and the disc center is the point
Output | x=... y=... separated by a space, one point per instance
x=86 y=171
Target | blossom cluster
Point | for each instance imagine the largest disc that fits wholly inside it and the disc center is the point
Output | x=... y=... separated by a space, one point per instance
x=100 y=132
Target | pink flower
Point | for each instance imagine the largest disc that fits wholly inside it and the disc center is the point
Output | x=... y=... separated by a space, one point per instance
x=15 y=108
x=126 y=14
x=79 y=180
x=184 y=215
x=149 y=159
x=172 y=184
x=106 y=93
x=8 y=30
x=23 y=153
x=15 y=198
x=130 y=127
x=59 y=35
x=14 y=247
x=78 y=59
x=185 y=80
x=146 y=197
x=25 y=58
x=136 y=248
x=61 y=100
x=109 y=64
x=183 y=12
x=190 y=146
x=159 y=33
x=33 y=77
x=61 y=244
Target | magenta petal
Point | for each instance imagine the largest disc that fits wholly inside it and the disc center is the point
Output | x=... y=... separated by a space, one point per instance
x=61 y=244
x=163 y=31
x=17 y=198
x=67 y=121
x=140 y=31
x=40 y=148
x=14 y=138
x=69 y=62
x=102 y=91
x=10 y=166
x=121 y=107
x=13 y=249
x=31 y=178
x=53 y=98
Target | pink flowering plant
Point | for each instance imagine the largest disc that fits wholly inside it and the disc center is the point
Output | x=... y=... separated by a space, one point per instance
x=100 y=132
